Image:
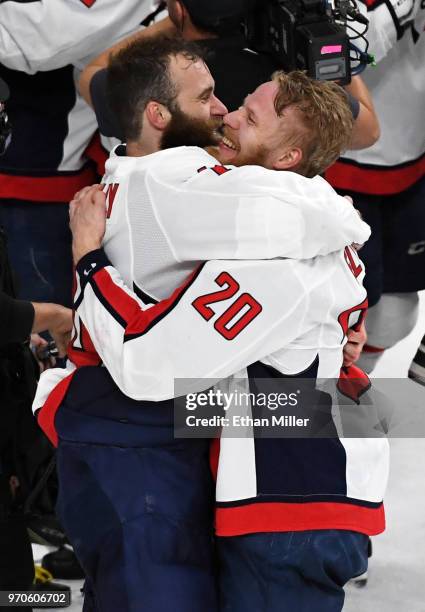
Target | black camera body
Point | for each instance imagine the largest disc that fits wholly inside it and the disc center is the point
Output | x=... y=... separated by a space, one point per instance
x=301 y=35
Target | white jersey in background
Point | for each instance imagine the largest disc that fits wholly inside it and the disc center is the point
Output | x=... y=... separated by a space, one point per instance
x=48 y=34
x=397 y=85
x=43 y=46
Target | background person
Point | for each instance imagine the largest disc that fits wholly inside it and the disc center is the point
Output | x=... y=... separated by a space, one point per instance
x=20 y=436
x=387 y=181
x=24 y=453
x=43 y=46
x=237 y=71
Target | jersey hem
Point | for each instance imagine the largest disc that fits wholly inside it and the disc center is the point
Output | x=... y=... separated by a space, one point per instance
x=275 y=517
x=375 y=180
x=55 y=188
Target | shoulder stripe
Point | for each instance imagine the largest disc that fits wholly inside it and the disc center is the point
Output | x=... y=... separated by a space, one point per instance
x=128 y=313
x=220 y=170
x=160 y=310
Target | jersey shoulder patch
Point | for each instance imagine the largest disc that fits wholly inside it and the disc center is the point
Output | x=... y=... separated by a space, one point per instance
x=218 y=169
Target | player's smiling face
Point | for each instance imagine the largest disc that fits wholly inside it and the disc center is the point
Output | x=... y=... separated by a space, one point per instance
x=254 y=134
x=197 y=114
x=195 y=87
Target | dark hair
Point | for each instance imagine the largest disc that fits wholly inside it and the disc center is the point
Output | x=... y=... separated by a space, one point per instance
x=139 y=73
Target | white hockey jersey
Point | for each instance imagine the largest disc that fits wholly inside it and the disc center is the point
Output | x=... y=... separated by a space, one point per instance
x=183 y=207
x=397 y=85
x=48 y=34
x=169 y=211
x=43 y=45
x=172 y=209
x=225 y=317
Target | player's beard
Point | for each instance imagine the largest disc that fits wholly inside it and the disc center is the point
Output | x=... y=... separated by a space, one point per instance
x=244 y=156
x=255 y=157
x=184 y=130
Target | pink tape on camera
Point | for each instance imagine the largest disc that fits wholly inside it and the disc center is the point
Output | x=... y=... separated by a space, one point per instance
x=331 y=49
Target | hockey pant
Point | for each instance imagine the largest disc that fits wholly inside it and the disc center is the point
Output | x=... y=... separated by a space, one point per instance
x=298 y=571
x=136 y=503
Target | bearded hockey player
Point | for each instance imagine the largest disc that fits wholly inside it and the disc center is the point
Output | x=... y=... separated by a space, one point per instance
x=146 y=546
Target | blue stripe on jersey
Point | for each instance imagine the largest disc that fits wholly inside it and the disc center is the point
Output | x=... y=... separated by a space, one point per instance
x=298 y=466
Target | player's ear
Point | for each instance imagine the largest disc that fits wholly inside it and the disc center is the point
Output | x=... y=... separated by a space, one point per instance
x=158 y=115
x=289 y=159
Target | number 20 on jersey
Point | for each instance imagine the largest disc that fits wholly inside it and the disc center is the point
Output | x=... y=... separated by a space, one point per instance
x=237 y=316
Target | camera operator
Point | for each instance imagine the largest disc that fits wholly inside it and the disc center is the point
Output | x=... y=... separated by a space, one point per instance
x=18 y=379
x=237 y=71
x=19 y=432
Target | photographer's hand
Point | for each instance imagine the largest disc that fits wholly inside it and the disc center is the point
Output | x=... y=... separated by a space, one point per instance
x=87 y=214
x=38 y=346
x=57 y=320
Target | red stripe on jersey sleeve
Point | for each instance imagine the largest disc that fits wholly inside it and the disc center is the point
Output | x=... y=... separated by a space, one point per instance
x=46 y=415
x=87 y=356
x=137 y=319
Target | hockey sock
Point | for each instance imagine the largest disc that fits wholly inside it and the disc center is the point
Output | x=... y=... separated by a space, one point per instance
x=388 y=322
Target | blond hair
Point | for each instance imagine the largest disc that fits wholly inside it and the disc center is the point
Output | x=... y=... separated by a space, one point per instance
x=324 y=129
